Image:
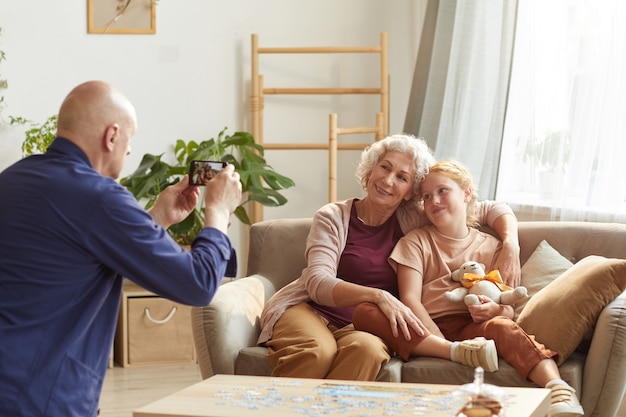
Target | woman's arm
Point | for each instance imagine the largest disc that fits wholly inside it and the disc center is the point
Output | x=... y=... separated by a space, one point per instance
x=501 y=219
x=508 y=262
x=400 y=316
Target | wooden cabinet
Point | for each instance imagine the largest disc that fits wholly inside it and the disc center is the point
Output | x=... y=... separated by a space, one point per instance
x=152 y=330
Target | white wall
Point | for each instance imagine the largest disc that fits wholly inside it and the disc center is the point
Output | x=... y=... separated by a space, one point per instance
x=191 y=78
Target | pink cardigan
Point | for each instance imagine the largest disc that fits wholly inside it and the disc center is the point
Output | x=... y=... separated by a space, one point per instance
x=324 y=246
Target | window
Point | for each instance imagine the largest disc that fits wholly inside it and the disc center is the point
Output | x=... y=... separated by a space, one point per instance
x=564 y=144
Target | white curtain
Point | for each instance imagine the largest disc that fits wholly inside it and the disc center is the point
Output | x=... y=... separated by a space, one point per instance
x=564 y=143
x=460 y=83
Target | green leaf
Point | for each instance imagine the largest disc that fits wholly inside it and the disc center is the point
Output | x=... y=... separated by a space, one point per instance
x=151 y=183
x=146 y=163
x=185 y=232
x=267 y=197
x=242 y=215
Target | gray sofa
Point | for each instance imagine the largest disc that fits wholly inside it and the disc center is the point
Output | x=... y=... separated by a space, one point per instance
x=226 y=331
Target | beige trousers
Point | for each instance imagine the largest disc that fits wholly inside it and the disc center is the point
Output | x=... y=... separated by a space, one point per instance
x=305 y=345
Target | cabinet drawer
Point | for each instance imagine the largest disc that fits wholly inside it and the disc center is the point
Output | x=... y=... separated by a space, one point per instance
x=159 y=331
x=152 y=330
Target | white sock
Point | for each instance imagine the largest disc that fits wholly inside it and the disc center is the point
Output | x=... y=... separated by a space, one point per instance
x=453 y=349
x=557 y=381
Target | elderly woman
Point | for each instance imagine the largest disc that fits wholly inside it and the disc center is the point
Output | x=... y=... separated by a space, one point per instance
x=307 y=324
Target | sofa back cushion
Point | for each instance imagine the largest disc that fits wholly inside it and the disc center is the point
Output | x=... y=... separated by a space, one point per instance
x=573 y=240
x=277 y=249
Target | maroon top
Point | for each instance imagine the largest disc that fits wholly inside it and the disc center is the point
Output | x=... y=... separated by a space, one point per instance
x=364 y=261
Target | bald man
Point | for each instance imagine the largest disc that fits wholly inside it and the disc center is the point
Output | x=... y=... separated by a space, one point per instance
x=70 y=233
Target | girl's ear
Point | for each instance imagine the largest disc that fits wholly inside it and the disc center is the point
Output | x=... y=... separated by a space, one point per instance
x=468 y=194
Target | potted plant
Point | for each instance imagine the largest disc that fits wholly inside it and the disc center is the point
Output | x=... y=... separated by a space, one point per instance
x=39 y=136
x=548 y=157
x=550 y=152
x=259 y=181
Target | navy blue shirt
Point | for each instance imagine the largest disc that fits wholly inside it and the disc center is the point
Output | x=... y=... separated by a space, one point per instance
x=68 y=236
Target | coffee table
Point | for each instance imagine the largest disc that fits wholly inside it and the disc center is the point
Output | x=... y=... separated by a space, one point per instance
x=250 y=396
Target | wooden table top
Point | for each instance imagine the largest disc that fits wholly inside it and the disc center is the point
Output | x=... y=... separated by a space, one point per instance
x=250 y=396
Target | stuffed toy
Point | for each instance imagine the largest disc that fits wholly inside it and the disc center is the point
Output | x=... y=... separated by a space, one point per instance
x=471 y=275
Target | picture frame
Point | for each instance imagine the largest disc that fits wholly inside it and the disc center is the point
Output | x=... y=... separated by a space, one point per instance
x=121 y=16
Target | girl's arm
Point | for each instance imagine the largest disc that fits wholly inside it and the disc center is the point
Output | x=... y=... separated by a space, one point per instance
x=410 y=288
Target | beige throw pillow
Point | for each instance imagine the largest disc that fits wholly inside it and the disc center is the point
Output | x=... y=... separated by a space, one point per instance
x=562 y=313
x=543 y=266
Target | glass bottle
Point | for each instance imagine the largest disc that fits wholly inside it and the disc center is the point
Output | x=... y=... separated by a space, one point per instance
x=478 y=399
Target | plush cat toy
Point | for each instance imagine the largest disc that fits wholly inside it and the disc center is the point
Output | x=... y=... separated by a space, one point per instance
x=471 y=275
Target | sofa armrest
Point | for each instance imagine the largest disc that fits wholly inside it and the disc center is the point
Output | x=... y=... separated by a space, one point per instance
x=604 y=384
x=229 y=323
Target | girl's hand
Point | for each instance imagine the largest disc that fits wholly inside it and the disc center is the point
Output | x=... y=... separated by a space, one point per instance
x=488 y=309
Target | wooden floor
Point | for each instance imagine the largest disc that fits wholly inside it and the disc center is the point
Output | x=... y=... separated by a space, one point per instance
x=126 y=389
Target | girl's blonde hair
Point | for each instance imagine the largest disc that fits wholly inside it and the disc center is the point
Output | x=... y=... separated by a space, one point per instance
x=459 y=174
x=414 y=147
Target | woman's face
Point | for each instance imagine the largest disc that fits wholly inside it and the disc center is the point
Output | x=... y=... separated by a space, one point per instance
x=391 y=180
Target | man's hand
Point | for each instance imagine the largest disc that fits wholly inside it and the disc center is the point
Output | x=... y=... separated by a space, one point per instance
x=175 y=203
x=221 y=198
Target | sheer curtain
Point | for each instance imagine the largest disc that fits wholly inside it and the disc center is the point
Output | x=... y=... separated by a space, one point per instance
x=564 y=143
x=460 y=83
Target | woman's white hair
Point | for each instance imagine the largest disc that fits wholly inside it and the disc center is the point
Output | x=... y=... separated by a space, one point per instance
x=414 y=147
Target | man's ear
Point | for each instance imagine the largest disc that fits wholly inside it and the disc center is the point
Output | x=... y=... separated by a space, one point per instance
x=110 y=136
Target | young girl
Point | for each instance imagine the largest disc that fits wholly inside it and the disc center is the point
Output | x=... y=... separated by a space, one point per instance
x=424 y=260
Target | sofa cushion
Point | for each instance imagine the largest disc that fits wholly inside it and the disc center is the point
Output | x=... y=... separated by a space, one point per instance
x=253 y=361
x=543 y=266
x=562 y=313
x=441 y=371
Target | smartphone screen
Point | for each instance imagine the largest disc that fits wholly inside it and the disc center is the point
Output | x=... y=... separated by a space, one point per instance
x=202 y=171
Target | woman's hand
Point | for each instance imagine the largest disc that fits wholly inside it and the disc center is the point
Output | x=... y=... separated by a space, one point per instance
x=400 y=316
x=508 y=264
x=488 y=309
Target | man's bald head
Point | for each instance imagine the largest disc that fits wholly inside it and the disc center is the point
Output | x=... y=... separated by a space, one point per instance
x=92 y=106
x=95 y=116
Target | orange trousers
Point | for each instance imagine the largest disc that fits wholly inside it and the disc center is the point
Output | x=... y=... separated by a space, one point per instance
x=514 y=345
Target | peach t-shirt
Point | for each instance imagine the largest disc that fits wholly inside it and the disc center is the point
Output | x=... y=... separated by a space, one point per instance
x=435 y=256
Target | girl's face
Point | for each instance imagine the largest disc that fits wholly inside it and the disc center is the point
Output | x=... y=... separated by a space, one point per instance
x=445 y=202
x=391 y=180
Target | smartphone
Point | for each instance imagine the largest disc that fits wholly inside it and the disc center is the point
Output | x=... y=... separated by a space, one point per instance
x=202 y=171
